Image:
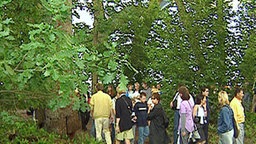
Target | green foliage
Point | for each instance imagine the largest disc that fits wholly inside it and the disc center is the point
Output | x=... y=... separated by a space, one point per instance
x=14 y=129
x=83 y=138
x=43 y=66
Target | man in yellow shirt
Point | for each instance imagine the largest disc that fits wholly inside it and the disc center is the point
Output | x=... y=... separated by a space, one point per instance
x=238 y=109
x=101 y=106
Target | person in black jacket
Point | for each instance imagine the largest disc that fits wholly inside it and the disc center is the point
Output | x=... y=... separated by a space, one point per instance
x=123 y=118
x=141 y=113
x=157 y=128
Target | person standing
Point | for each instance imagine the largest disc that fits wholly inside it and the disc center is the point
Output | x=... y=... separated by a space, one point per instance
x=111 y=93
x=175 y=105
x=101 y=110
x=205 y=92
x=199 y=115
x=158 y=86
x=157 y=127
x=225 y=120
x=147 y=90
x=238 y=109
x=123 y=118
x=141 y=113
x=186 y=123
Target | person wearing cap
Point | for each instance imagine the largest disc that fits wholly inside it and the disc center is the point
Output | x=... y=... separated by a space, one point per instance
x=101 y=111
x=124 y=123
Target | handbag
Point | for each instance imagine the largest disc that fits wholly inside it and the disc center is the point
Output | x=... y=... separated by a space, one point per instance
x=195 y=135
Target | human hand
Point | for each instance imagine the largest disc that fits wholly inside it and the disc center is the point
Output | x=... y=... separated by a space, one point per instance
x=117 y=129
x=183 y=133
x=171 y=104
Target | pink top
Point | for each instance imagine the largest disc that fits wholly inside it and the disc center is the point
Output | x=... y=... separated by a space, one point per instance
x=186 y=107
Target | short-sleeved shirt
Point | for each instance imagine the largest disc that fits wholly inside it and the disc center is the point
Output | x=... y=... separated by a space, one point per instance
x=186 y=107
x=124 y=113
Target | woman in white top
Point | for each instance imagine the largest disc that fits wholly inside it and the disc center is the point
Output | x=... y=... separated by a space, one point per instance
x=199 y=114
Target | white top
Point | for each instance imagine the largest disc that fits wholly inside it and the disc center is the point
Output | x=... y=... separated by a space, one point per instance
x=177 y=96
x=200 y=113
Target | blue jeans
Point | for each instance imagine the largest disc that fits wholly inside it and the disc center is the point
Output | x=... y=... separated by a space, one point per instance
x=143 y=133
x=176 y=125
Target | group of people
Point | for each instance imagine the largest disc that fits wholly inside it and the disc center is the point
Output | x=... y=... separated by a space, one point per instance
x=118 y=113
x=116 y=116
x=193 y=115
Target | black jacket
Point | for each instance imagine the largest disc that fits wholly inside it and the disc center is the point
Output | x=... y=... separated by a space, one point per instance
x=157 y=131
x=123 y=111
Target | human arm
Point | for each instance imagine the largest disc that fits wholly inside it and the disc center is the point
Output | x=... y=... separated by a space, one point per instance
x=195 y=109
x=183 y=123
x=153 y=113
x=117 y=125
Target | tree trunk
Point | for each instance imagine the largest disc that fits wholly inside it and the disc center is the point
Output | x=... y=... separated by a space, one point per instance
x=63 y=120
x=98 y=17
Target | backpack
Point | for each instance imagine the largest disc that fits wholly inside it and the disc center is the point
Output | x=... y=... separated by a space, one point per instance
x=235 y=127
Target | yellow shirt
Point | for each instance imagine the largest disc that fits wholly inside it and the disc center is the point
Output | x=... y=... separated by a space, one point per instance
x=238 y=110
x=101 y=105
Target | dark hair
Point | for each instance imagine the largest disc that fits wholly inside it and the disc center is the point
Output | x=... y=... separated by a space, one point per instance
x=112 y=91
x=203 y=89
x=99 y=86
x=156 y=96
x=238 y=90
x=185 y=93
x=143 y=94
x=199 y=99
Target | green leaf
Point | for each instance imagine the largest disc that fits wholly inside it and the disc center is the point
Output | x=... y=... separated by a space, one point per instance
x=9 y=69
x=52 y=37
x=80 y=64
x=47 y=73
x=4 y=2
x=55 y=75
x=7 y=21
x=112 y=65
x=10 y=38
x=123 y=81
x=108 y=78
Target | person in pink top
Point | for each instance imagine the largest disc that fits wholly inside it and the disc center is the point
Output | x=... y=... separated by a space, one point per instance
x=186 y=124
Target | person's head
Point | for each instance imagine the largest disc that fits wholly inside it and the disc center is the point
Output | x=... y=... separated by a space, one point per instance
x=158 y=86
x=184 y=93
x=111 y=90
x=99 y=87
x=143 y=97
x=144 y=85
x=130 y=87
x=223 y=98
x=200 y=99
x=120 y=90
x=205 y=91
x=137 y=86
x=155 y=98
x=239 y=93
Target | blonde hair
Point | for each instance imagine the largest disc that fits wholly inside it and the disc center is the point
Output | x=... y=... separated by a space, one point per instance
x=223 y=98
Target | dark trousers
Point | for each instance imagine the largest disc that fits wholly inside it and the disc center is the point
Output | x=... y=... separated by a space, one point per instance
x=176 y=125
x=85 y=116
x=205 y=128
